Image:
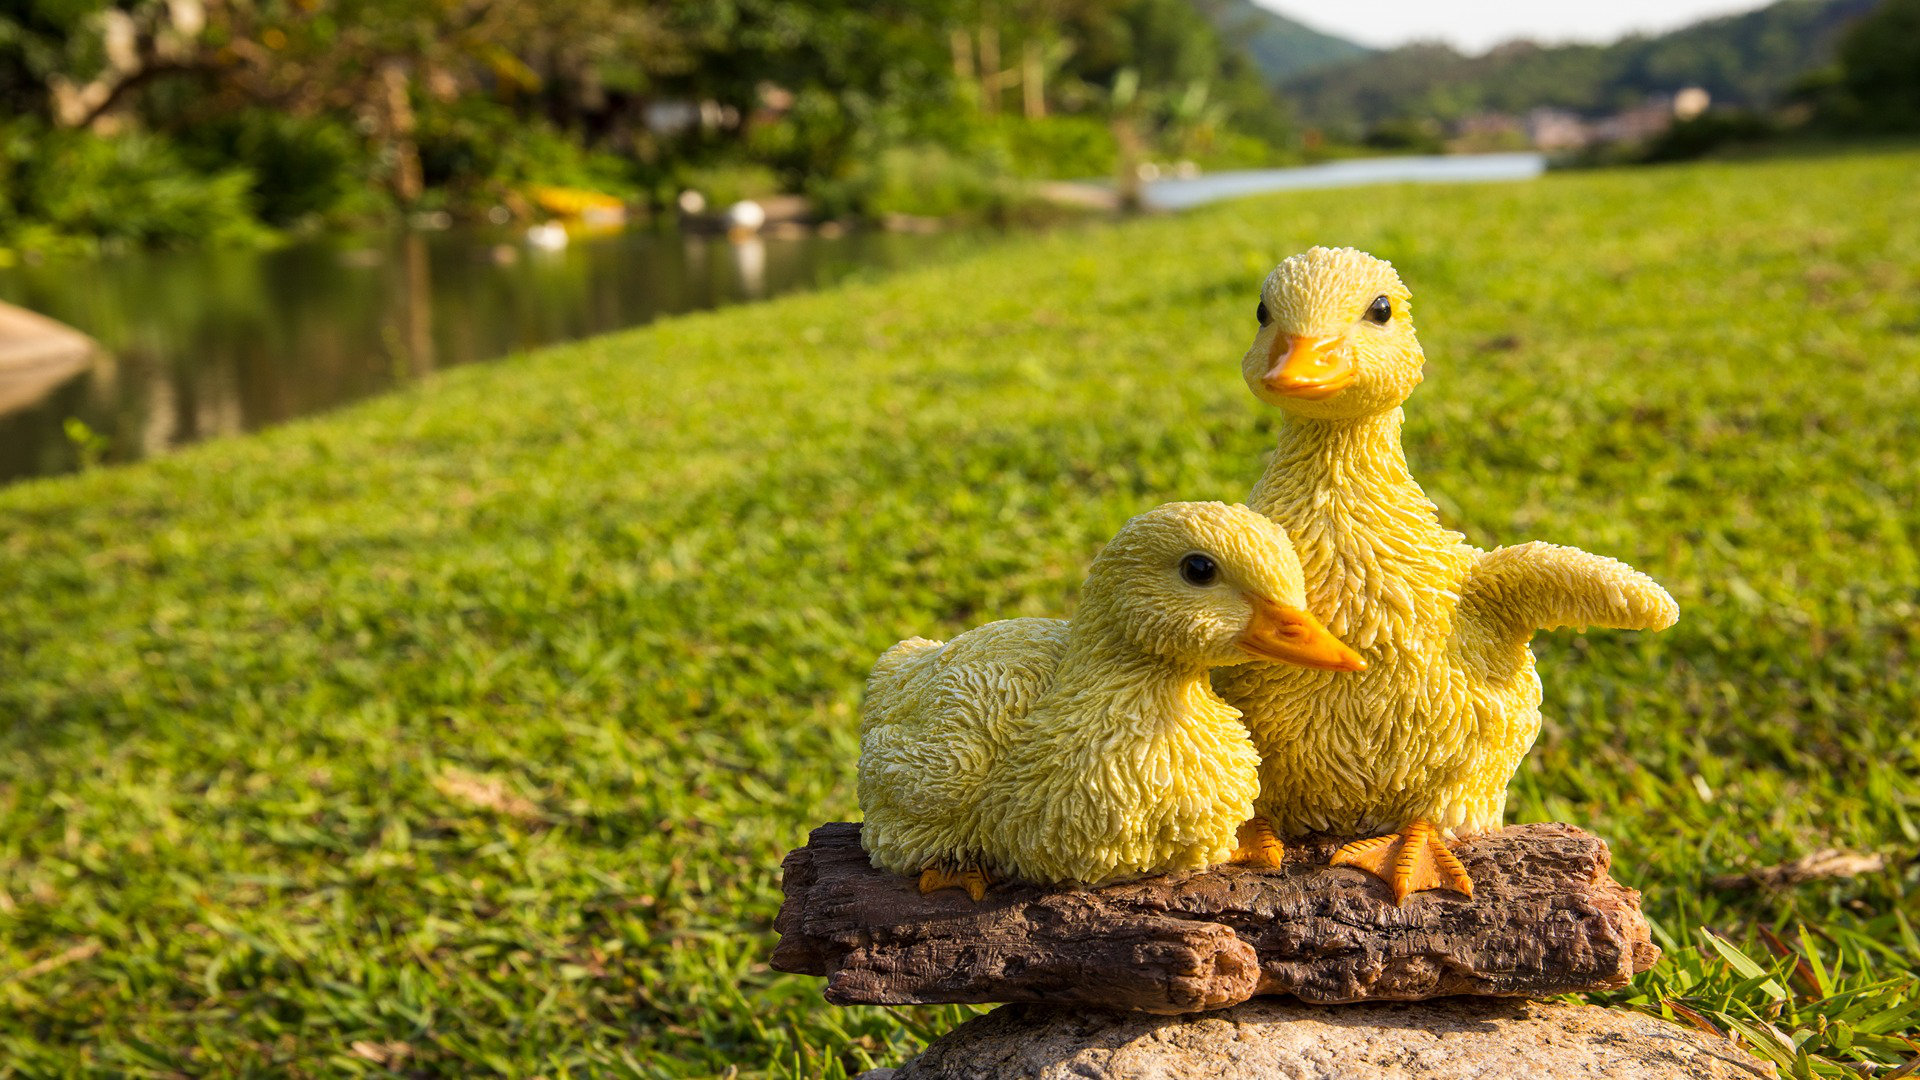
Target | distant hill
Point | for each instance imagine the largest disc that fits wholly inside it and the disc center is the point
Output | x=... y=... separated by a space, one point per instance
x=1749 y=59
x=1280 y=48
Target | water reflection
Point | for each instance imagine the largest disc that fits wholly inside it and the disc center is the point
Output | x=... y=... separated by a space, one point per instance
x=750 y=263
x=206 y=343
x=1434 y=169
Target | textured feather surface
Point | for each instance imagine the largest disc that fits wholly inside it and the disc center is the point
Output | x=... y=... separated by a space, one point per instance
x=1427 y=730
x=1110 y=780
x=936 y=719
x=1450 y=701
x=1513 y=591
x=1085 y=752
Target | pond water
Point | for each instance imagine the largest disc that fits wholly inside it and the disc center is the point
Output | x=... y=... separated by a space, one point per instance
x=1434 y=169
x=210 y=342
x=213 y=342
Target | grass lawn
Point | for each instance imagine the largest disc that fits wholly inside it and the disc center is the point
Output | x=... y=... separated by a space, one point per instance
x=463 y=731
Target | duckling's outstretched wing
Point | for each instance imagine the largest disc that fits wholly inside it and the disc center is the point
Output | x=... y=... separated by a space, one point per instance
x=935 y=719
x=1511 y=592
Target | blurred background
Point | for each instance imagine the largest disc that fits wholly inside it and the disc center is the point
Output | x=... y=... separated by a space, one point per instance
x=256 y=209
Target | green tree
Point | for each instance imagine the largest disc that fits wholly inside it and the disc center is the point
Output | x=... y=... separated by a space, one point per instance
x=1880 y=68
x=363 y=104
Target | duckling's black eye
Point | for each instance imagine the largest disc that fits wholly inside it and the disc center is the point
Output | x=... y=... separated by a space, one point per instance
x=1199 y=569
x=1261 y=313
x=1380 y=310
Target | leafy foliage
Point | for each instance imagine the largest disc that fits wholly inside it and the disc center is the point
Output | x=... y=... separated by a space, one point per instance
x=464 y=730
x=1709 y=132
x=299 y=168
x=336 y=108
x=134 y=188
x=1875 y=87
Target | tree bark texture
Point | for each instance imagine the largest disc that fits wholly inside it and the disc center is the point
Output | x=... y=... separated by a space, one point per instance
x=1546 y=918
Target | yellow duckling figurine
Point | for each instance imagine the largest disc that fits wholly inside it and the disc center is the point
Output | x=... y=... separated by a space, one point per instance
x=1422 y=745
x=1092 y=750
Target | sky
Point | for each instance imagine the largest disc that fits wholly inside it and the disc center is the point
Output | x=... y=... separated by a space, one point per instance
x=1477 y=25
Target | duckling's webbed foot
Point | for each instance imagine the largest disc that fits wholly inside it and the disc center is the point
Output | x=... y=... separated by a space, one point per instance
x=1412 y=860
x=971 y=878
x=1255 y=844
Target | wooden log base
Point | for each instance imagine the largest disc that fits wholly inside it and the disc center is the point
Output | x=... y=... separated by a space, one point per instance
x=1545 y=918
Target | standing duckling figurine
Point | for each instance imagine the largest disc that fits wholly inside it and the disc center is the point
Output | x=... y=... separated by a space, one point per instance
x=1091 y=750
x=1423 y=744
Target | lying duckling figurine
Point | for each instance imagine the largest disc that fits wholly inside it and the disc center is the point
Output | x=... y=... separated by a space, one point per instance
x=1423 y=744
x=1091 y=750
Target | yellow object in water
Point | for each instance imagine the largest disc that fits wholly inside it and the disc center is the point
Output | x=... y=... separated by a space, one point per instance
x=1425 y=741
x=1090 y=750
x=574 y=202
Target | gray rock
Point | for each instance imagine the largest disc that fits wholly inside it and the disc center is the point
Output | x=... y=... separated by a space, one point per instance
x=1444 y=1039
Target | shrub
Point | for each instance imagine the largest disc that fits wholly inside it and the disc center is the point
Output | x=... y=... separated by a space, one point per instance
x=135 y=187
x=932 y=181
x=1056 y=147
x=302 y=167
x=1234 y=150
x=1880 y=58
x=1706 y=133
x=726 y=184
x=1406 y=136
x=474 y=150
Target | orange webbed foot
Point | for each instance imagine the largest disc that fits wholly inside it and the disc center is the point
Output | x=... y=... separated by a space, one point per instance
x=1412 y=860
x=973 y=879
x=1255 y=845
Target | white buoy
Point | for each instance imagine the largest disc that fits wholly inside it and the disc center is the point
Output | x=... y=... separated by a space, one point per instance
x=746 y=216
x=547 y=236
x=692 y=202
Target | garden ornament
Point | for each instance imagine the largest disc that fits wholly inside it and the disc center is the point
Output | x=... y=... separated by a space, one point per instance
x=1421 y=745
x=1091 y=750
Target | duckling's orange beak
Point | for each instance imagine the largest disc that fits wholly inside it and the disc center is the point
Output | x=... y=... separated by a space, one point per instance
x=1291 y=636
x=1313 y=368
